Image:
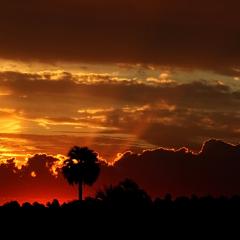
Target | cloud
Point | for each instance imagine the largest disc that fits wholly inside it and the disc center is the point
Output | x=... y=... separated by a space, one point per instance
x=202 y=34
x=20 y=146
x=34 y=181
x=84 y=89
x=169 y=115
x=213 y=170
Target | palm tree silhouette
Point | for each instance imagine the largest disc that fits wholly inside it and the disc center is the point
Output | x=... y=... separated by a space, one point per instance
x=81 y=167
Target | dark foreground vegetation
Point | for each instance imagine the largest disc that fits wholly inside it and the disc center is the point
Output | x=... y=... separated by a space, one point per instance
x=125 y=210
x=128 y=197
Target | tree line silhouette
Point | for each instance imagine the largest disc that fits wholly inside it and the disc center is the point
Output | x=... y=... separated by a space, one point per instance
x=128 y=196
x=82 y=167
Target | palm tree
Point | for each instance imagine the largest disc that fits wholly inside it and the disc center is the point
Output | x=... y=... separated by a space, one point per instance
x=81 y=167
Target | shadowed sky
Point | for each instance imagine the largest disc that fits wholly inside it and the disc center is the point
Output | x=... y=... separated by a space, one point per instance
x=117 y=76
x=179 y=33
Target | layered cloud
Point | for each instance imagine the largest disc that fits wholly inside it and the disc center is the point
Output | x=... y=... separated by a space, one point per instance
x=99 y=110
x=199 y=34
x=213 y=170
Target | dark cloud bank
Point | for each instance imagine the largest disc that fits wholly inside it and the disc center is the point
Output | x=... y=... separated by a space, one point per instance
x=214 y=170
x=203 y=34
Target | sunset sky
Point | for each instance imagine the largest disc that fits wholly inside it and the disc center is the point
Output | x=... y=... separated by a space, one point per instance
x=117 y=76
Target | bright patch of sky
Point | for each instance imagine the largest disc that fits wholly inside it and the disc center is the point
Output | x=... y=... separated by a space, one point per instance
x=134 y=72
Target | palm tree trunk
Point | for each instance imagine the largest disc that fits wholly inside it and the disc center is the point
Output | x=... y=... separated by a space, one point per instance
x=80 y=191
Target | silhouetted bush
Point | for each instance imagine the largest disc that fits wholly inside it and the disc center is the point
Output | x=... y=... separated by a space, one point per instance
x=11 y=205
x=126 y=194
x=54 y=204
x=27 y=205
